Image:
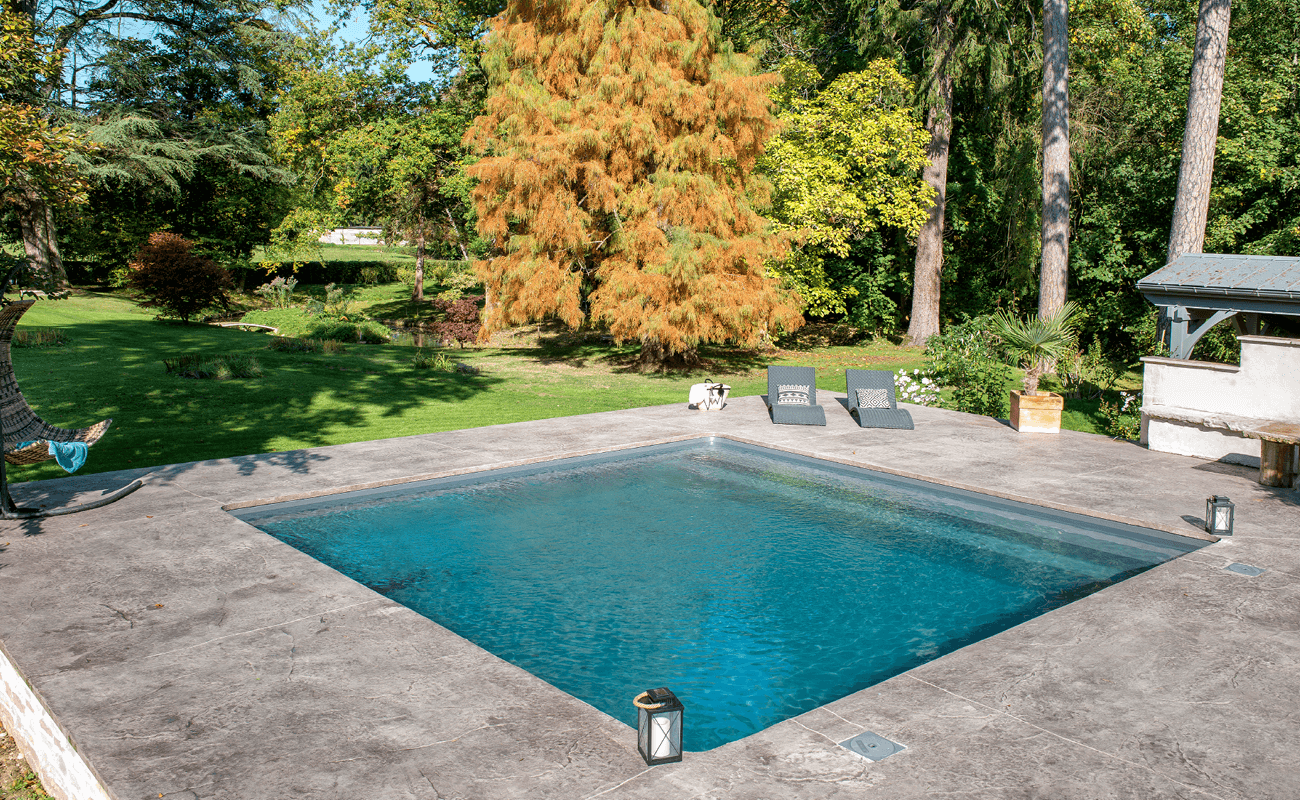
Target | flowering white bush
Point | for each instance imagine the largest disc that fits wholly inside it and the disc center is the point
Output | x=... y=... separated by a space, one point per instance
x=1129 y=399
x=918 y=387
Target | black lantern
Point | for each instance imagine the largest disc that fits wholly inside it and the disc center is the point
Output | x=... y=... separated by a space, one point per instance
x=659 y=726
x=1218 y=515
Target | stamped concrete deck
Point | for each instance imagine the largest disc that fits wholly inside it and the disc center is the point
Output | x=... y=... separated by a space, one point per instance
x=187 y=654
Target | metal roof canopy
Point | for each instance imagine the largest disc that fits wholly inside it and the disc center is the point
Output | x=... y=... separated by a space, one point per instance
x=1196 y=291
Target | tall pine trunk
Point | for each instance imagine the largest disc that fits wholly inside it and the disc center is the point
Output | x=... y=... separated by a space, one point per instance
x=1187 y=234
x=1056 y=157
x=929 y=242
x=40 y=241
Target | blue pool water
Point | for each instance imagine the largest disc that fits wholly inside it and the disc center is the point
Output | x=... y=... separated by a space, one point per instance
x=755 y=584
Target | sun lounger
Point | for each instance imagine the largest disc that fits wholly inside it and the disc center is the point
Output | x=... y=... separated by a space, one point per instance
x=792 y=396
x=872 y=400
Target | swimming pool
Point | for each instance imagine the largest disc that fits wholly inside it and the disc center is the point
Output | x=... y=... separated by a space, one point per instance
x=756 y=584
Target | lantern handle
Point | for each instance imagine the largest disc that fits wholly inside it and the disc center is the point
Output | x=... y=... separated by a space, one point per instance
x=639 y=702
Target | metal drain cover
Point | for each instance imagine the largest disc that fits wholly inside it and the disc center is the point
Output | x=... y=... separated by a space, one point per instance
x=870 y=746
x=1244 y=569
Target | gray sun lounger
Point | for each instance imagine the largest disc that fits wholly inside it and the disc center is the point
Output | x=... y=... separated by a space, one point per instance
x=891 y=417
x=788 y=413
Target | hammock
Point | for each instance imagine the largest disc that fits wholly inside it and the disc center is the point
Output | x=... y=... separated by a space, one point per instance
x=19 y=425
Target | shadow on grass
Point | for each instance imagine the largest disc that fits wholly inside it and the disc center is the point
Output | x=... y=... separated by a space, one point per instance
x=558 y=345
x=404 y=309
x=113 y=369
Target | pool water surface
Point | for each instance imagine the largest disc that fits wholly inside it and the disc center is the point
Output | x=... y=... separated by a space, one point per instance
x=756 y=584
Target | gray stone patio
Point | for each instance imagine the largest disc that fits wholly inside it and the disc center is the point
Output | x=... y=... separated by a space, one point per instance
x=186 y=654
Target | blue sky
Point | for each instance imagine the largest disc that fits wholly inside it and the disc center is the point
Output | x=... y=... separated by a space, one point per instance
x=355 y=31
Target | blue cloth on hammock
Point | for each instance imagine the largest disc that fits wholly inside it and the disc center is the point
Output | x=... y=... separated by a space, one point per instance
x=69 y=455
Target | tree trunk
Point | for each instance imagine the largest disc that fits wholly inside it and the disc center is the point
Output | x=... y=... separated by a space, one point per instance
x=929 y=242
x=654 y=357
x=1187 y=234
x=460 y=240
x=417 y=293
x=40 y=242
x=1056 y=157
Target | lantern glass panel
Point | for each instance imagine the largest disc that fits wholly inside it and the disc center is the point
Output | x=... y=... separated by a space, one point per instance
x=1218 y=515
x=659 y=730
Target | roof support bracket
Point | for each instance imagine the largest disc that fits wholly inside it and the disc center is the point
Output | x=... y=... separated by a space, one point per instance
x=1186 y=328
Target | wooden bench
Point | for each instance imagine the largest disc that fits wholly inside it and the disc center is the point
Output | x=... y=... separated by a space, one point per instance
x=1279 y=441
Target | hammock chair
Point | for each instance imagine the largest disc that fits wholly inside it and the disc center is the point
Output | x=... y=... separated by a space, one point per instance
x=19 y=425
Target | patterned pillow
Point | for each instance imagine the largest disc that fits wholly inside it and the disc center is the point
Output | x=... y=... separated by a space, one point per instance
x=873 y=398
x=792 y=395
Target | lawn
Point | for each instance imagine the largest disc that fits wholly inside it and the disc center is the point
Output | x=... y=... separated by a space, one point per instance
x=111 y=366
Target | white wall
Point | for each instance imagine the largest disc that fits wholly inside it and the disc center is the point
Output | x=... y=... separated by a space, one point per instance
x=1211 y=403
x=353 y=236
x=64 y=773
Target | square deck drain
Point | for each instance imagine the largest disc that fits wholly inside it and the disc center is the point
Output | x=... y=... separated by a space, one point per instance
x=872 y=747
x=1244 y=569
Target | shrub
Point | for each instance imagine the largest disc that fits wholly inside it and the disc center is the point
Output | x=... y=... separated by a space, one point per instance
x=1087 y=374
x=365 y=332
x=174 y=280
x=1120 y=423
x=317 y=272
x=460 y=322
x=437 y=361
x=221 y=367
x=336 y=303
x=39 y=337
x=1146 y=337
x=370 y=274
x=917 y=388
x=966 y=359
x=288 y=344
x=279 y=292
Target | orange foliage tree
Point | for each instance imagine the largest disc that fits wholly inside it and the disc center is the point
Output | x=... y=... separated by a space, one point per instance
x=620 y=138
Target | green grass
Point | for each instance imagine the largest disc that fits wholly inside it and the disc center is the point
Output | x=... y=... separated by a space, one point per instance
x=112 y=366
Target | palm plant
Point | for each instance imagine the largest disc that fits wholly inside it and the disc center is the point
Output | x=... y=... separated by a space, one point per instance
x=1039 y=341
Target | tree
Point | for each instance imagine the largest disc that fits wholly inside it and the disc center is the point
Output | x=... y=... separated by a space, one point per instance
x=37 y=173
x=924 y=321
x=172 y=278
x=371 y=146
x=945 y=44
x=1192 y=203
x=844 y=164
x=408 y=171
x=1056 y=158
x=618 y=185
x=188 y=85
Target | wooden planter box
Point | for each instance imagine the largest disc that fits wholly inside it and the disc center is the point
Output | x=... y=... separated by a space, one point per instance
x=1036 y=413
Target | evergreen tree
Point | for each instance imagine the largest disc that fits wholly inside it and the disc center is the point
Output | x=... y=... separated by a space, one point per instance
x=1056 y=157
x=618 y=186
x=1192 y=203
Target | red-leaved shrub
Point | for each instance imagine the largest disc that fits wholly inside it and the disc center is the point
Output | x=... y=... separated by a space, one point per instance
x=460 y=322
x=174 y=280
